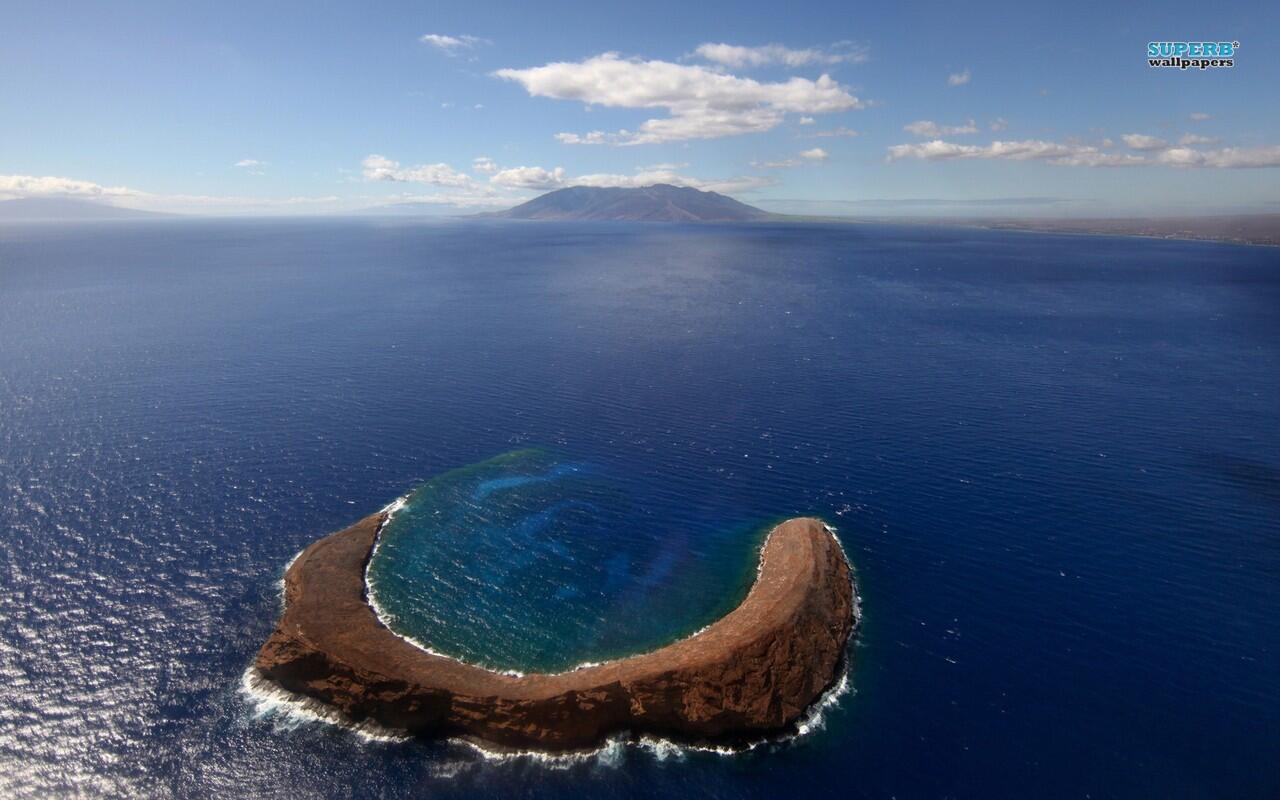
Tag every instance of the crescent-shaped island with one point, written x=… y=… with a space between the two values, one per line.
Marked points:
x=751 y=673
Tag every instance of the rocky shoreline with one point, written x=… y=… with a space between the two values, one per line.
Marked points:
x=751 y=673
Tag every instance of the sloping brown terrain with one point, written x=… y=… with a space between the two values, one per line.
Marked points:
x=752 y=672
x=657 y=203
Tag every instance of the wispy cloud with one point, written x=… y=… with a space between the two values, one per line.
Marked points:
x=702 y=103
x=929 y=129
x=451 y=45
x=1153 y=152
x=17 y=186
x=541 y=179
x=743 y=183
x=958 y=78
x=814 y=155
x=738 y=56
x=251 y=165
x=832 y=133
x=1025 y=150
x=505 y=180
x=1189 y=139
x=470 y=200
x=1199 y=116
x=1139 y=141
x=1225 y=158
x=998 y=124
x=786 y=163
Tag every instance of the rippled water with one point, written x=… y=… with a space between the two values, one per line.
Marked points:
x=1052 y=460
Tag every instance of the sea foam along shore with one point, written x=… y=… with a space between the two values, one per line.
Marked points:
x=269 y=700
x=752 y=674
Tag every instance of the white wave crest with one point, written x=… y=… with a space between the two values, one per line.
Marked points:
x=269 y=700
x=288 y=711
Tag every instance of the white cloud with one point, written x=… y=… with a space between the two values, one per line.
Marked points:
x=1080 y=155
x=380 y=168
x=701 y=103
x=1026 y=150
x=738 y=56
x=1199 y=116
x=1226 y=158
x=805 y=156
x=451 y=45
x=594 y=137
x=249 y=163
x=648 y=178
x=1092 y=157
x=958 y=78
x=12 y=186
x=542 y=179
x=786 y=163
x=16 y=186
x=537 y=178
x=932 y=130
x=806 y=121
x=1140 y=141
x=833 y=133
x=999 y=124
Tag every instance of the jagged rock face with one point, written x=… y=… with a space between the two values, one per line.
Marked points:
x=752 y=672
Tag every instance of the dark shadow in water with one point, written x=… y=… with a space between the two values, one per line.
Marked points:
x=1256 y=477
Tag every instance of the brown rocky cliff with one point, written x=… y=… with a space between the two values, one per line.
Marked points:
x=752 y=672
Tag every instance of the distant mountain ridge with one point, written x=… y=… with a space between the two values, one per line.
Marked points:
x=67 y=209
x=657 y=203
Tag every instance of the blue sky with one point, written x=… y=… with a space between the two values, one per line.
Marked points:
x=846 y=108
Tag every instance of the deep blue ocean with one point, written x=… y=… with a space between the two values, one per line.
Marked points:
x=1054 y=462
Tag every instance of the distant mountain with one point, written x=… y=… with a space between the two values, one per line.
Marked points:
x=66 y=209
x=658 y=203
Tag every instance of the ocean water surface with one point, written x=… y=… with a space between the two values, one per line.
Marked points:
x=1052 y=461
x=529 y=562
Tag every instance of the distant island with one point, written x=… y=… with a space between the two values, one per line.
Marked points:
x=67 y=209
x=751 y=673
x=1261 y=229
x=660 y=202
x=666 y=203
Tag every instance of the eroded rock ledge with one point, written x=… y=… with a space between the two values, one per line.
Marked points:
x=752 y=672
